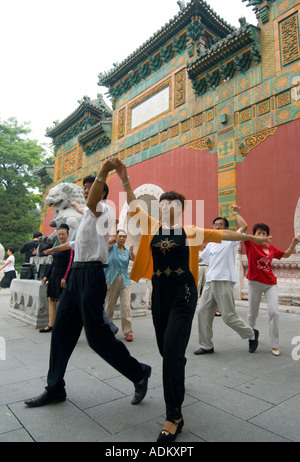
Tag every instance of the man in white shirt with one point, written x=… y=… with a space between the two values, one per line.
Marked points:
x=82 y=301
x=218 y=291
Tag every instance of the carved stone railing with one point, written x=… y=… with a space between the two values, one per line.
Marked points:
x=29 y=302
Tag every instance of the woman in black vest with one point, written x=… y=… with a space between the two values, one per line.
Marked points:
x=57 y=274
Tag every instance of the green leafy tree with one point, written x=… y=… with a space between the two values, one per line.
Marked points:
x=20 y=194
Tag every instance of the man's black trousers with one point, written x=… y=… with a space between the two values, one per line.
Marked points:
x=81 y=305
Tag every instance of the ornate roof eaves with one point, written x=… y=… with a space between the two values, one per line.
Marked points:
x=72 y=118
x=258 y=4
x=224 y=49
x=98 y=129
x=166 y=33
x=45 y=173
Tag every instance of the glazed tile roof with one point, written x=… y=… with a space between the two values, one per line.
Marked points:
x=194 y=8
x=96 y=107
x=228 y=46
x=257 y=3
x=101 y=127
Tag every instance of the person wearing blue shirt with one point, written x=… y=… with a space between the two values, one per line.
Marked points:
x=118 y=282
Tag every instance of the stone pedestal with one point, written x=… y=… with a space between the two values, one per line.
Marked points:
x=29 y=302
x=2 y=252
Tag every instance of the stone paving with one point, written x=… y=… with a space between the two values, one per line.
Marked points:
x=231 y=395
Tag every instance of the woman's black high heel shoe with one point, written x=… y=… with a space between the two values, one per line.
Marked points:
x=165 y=435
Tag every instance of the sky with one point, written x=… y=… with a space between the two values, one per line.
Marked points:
x=51 y=53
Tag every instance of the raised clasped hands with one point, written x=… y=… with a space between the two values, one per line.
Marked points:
x=235 y=208
x=121 y=171
x=113 y=163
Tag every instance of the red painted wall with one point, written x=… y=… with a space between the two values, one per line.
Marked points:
x=47 y=229
x=268 y=183
x=192 y=173
x=268 y=186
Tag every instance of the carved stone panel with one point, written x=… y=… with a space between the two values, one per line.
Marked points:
x=150 y=106
x=180 y=87
x=121 y=123
x=69 y=163
x=289 y=35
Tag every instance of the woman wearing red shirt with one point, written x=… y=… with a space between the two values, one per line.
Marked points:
x=262 y=280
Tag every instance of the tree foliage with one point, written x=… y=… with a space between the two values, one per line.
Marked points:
x=20 y=194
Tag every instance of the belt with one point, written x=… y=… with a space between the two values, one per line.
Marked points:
x=88 y=264
x=168 y=271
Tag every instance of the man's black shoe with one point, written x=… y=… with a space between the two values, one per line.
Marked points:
x=140 y=389
x=43 y=399
x=253 y=344
x=201 y=351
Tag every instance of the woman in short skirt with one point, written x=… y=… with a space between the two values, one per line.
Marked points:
x=9 y=270
x=57 y=274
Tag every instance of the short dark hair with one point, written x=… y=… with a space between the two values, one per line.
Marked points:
x=261 y=226
x=172 y=196
x=64 y=226
x=11 y=249
x=226 y=223
x=121 y=231
x=91 y=179
x=37 y=234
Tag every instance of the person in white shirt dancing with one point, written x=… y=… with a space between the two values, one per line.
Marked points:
x=82 y=301
x=219 y=289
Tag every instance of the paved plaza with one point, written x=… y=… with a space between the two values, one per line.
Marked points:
x=231 y=395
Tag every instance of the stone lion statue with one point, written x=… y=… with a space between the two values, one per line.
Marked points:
x=63 y=212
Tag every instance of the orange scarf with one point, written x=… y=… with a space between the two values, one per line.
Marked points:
x=143 y=262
